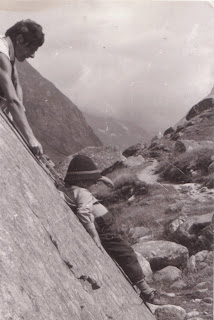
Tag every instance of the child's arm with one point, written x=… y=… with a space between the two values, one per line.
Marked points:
x=107 y=181
x=95 y=236
x=84 y=213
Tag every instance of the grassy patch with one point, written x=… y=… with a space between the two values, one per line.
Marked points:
x=187 y=167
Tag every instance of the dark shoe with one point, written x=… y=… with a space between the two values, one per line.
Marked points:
x=151 y=298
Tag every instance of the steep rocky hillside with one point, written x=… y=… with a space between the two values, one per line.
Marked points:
x=56 y=121
x=113 y=132
x=195 y=130
x=186 y=152
x=50 y=267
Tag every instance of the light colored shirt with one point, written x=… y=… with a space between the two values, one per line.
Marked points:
x=4 y=46
x=84 y=204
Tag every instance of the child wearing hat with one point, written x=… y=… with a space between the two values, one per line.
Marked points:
x=82 y=173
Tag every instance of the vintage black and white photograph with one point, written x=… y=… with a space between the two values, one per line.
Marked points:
x=106 y=159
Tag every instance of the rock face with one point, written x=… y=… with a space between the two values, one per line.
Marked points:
x=161 y=253
x=56 y=121
x=50 y=267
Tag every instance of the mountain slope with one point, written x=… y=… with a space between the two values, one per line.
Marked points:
x=115 y=132
x=56 y=121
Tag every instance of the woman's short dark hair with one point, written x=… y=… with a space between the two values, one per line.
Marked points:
x=30 y=30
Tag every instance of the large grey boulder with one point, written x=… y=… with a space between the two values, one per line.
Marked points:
x=50 y=267
x=170 y=312
x=168 y=274
x=161 y=253
x=189 y=233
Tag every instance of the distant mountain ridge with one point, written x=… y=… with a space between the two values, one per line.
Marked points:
x=57 y=123
x=114 y=132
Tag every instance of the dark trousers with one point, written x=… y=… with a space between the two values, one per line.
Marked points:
x=123 y=254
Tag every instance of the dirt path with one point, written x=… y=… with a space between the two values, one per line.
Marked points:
x=148 y=174
x=192 y=190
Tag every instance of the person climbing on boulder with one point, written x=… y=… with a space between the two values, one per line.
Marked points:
x=20 y=42
x=82 y=173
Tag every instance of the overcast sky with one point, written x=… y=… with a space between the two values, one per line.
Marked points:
x=142 y=60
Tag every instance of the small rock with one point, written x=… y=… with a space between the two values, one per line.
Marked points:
x=173 y=226
x=192 y=314
x=169 y=131
x=173 y=208
x=169 y=312
x=201 y=284
x=204 y=189
x=179 y=147
x=146 y=238
x=208 y=300
x=196 y=300
x=168 y=294
x=168 y=274
x=179 y=285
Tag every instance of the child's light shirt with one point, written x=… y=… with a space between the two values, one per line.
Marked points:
x=84 y=204
x=4 y=46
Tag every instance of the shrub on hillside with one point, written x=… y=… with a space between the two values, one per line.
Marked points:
x=188 y=166
x=126 y=185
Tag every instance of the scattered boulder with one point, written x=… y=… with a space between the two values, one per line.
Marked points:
x=169 y=274
x=200 y=107
x=180 y=128
x=179 y=147
x=176 y=135
x=161 y=253
x=170 y=312
x=171 y=227
x=199 y=261
x=173 y=208
x=138 y=232
x=189 y=232
x=168 y=131
x=178 y=285
x=208 y=300
x=132 y=150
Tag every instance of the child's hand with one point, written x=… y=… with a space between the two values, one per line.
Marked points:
x=98 y=243
x=107 y=181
